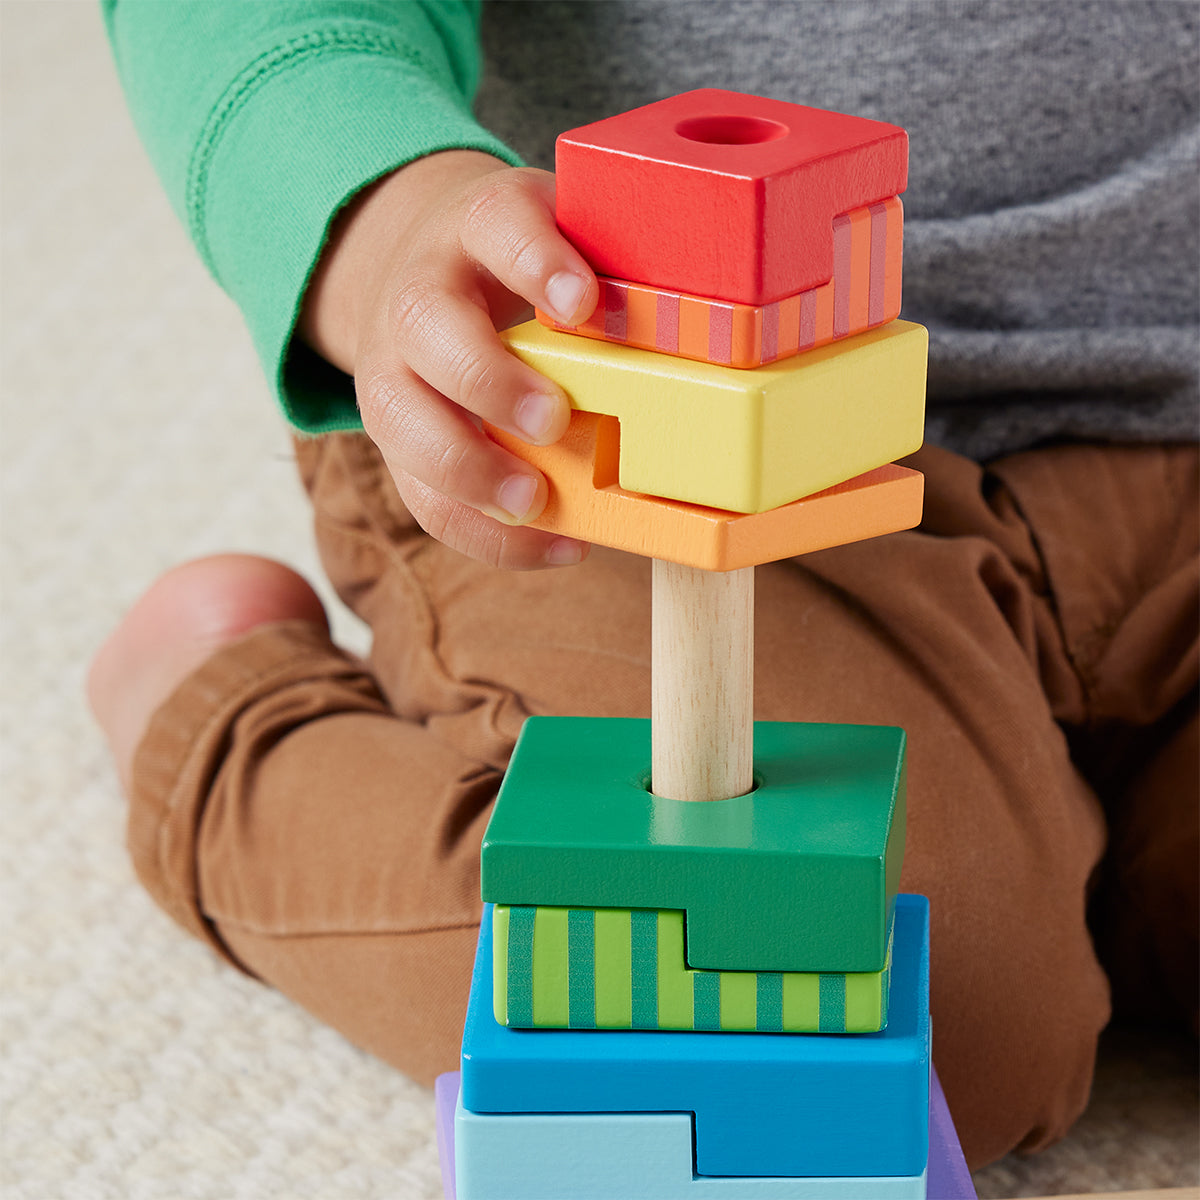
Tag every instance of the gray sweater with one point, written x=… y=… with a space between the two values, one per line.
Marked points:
x=1053 y=205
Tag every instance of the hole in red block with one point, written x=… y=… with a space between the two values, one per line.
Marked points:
x=731 y=131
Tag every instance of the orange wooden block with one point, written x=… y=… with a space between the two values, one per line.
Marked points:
x=586 y=502
x=863 y=292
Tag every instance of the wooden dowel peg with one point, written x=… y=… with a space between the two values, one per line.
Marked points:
x=702 y=701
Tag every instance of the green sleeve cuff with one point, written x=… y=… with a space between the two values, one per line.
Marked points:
x=263 y=117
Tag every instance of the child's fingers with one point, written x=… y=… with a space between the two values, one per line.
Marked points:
x=509 y=230
x=437 y=444
x=431 y=261
x=480 y=537
x=444 y=335
x=439 y=320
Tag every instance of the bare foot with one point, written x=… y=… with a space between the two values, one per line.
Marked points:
x=185 y=616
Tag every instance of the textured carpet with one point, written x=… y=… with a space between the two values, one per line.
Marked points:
x=135 y=433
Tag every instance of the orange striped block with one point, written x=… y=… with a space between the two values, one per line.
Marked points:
x=588 y=503
x=864 y=292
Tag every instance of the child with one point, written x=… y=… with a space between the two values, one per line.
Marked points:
x=317 y=819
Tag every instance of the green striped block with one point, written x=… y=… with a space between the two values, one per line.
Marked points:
x=620 y=968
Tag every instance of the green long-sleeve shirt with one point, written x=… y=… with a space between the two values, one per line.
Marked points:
x=264 y=118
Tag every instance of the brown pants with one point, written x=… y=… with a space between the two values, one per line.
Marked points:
x=318 y=820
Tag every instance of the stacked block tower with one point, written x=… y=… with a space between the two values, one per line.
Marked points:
x=695 y=976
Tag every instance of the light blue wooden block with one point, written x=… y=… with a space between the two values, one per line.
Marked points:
x=633 y=1156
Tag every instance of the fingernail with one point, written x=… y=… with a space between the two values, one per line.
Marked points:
x=515 y=496
x=535 y=414
x=565 y=293
x=564 y=552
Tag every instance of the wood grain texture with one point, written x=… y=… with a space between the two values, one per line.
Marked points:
x=702 y=682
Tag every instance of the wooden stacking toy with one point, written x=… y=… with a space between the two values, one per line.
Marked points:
x=695 y=977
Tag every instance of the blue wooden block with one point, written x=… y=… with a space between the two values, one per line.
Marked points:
x=634 y=1156
x=764 y=1104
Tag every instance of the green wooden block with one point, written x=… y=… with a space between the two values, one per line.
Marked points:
x=799 y=875
x=589 y=980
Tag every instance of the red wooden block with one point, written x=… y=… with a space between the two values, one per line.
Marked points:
x=722 y=195
x=864 y=292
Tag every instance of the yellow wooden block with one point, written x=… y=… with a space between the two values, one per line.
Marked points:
x=745 y=441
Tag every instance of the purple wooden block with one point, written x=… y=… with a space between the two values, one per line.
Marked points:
x=445 y=1097
x=948 y=1178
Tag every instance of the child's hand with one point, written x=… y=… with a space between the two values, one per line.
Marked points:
x=420 y=271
